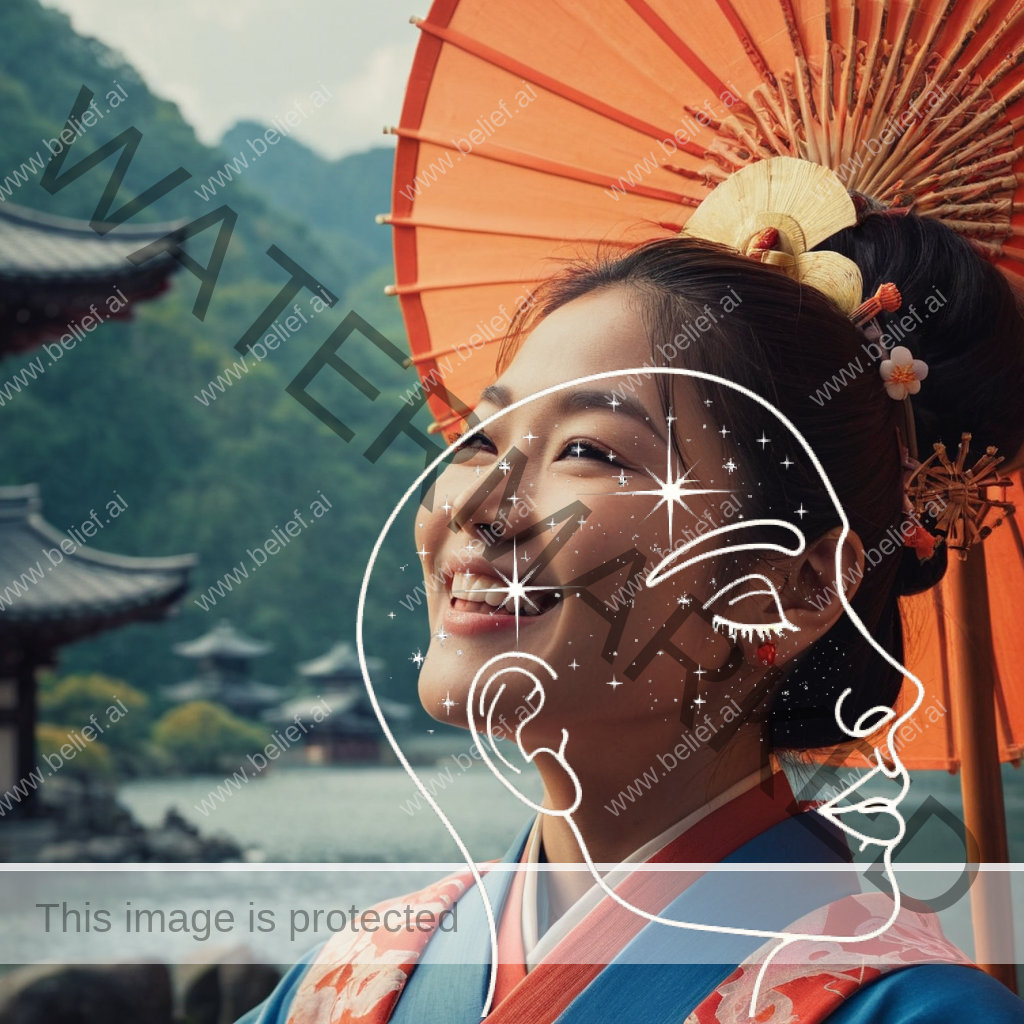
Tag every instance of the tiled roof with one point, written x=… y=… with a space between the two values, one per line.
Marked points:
x=87 y=590
x=340 y=660
x=223 y=641
x=38 y=245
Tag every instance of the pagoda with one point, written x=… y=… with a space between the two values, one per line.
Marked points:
x=350 y=732
x=53 y=270
x=223 y=655
x=60 y=278
x=49 y=600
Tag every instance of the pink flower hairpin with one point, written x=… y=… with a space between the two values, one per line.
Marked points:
x=902 y=373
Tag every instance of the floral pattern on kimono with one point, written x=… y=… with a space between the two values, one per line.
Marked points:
x=829 y=971
x=357 y=977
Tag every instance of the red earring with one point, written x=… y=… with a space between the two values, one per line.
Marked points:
x=766 y=653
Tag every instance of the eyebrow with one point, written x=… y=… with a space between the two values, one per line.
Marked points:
x=582 y=401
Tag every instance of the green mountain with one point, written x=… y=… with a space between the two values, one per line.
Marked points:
x=341 y=197
x=126 y=411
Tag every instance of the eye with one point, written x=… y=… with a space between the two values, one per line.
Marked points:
x=749 y=630
x=469 y=445
x=588 y=450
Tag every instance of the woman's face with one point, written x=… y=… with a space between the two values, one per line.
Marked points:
x=588 y=454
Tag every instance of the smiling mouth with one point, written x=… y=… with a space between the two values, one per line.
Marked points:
x=488 y=595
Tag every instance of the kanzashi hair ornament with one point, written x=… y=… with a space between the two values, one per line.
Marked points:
x=957 y=497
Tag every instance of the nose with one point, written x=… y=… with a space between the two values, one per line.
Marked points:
x=487 y=500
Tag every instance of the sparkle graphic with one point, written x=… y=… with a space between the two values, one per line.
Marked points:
x=698 y=701
x=707 y=402
x=529 y=437
x=442 y=635
x=391 y=615
x=786 y=462
x=730 y=467
x=614 y=682
x=762 y=440
x=504 y=467
x=577 y=449
x=611 y=456
x=801 y=511
x=614 y=402
x=423 y=552
x=724 y=431
x=446 y=506
x=684 y=600
x=552 y=524
x=573 y=665
x=700 y=673
x=515 y=589
x=673 y=490
x=418 y=658
x=448 y=703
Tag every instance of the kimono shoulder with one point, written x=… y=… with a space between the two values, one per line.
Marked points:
x=931 y=994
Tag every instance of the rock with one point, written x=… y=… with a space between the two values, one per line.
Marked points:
x=125 y=994
x=223 y=992
x=88 y=825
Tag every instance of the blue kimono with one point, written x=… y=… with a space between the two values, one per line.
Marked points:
x=662 y=975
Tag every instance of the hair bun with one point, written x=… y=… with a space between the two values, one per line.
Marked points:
x=917 y=575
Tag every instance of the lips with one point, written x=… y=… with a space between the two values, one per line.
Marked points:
x=479 y=598
x=489 y=594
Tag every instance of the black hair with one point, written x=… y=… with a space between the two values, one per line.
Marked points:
x=790 y=344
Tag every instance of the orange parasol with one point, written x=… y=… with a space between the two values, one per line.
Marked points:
x=545 y=129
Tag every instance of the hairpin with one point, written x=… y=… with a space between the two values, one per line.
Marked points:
x=956 y=497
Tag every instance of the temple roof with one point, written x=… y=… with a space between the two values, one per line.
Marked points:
x=341 y=661
x=244 y=696
x=53 y=268
x=86 y=591
x=350 y=712
x=223 y=641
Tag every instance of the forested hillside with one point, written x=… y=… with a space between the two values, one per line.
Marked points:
x=121 y=412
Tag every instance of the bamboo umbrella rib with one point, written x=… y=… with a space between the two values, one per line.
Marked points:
x=924 y=52
x=662 y=30
x=507 y=63
x=502 y=154
x=746 y=40
x=438 y=225
x=881 y=102
x=867 y=77
x=418 y=287
x=434 y=353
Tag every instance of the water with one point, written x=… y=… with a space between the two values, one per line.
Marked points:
x=345 y=813
x=345 y=816
x=362 y=814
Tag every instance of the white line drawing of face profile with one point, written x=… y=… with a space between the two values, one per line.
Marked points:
x=867 y=725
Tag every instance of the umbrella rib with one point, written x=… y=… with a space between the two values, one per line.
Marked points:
x=416 y=222
x=416 y=287
x=552 y=85
x=517 y=158
x=746 y=40
x=689 y=58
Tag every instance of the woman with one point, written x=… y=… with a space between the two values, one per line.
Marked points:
x=688 y=677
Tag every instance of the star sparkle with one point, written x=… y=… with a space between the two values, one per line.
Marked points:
x=673 y=490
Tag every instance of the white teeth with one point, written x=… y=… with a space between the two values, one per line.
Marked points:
x=481 y=589
x=489 y=591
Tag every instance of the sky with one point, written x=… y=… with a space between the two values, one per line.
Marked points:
x=224 y=61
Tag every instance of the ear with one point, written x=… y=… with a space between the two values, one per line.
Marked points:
x=811 y=599
x=483 y=702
